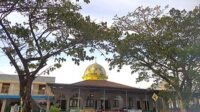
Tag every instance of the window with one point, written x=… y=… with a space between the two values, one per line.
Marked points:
x=90 y=101
x=63 y=105
x=130 y=102
x=74 y=102
x=41 y=89
x=115 y=103
x=5 y=88
x=138 y=105
x=146 y=104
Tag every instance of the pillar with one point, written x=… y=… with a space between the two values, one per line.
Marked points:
x=3 y=105
x=79 y=102
x=104 y=99
x=48 y=105
x=126 y=100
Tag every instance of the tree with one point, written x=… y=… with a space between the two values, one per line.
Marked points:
x=161 y=46
x=48 y=30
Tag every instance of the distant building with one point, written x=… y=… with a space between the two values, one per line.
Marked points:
x=9 y=91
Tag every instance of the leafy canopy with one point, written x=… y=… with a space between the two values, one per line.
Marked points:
x=47 y=29
x=161 y=46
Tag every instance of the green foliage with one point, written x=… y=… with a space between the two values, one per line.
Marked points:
x=54 y=109
x=161 y=46
x=7 y=108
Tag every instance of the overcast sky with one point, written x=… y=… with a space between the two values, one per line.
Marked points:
x=105 y=10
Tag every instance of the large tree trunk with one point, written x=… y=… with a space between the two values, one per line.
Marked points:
x=25 y=93
x=182 y=107
x=182 y=102
x=185 y=97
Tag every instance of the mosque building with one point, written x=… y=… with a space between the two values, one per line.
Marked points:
x=96 y=93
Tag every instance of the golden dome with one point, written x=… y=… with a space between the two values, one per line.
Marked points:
x=95 y=72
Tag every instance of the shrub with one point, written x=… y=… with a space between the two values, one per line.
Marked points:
x=54 y=109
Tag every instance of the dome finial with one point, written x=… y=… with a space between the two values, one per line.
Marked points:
x=95 y=59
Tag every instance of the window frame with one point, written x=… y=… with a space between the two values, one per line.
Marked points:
x=5 y=88
x=41 y=91
x=115 y=103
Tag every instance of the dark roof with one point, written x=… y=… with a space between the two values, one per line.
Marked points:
x=102 y=83
x=97 y=85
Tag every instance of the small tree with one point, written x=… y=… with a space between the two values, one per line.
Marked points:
x=161 y=46
x=49 y=30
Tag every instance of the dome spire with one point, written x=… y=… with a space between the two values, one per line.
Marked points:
x=95 y=59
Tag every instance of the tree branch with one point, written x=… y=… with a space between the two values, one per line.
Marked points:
x=41 y=65
x=156 y=72
x=13 y=61
x=9 y=10
x=34 y=37
x=15 y=47
x=48 y=55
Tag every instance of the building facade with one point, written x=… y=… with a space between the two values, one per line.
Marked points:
x=9 y=92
